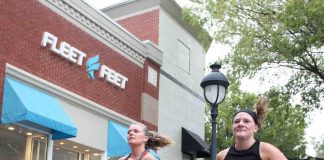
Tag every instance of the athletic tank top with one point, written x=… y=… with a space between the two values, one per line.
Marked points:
x=252 y=153
x=142 y=155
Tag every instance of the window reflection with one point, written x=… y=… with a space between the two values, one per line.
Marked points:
x=95 y=157
x=22 y=143
x=65 y=154
x=70 y=150
x=62 y=153
x=39 y=148
x=12 y=144
x=19 y=143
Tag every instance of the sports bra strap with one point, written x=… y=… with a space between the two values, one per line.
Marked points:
x=142 y=155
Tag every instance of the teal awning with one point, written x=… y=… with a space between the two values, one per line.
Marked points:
x=23 y=103
x=117 y=140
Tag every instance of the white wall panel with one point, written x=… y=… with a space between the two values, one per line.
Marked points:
x=92 y=129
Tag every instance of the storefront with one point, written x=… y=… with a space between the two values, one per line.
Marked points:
x=72 y=80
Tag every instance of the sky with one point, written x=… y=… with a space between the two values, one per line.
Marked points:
x=216 y=51
x=104 y=3
x=98 y=4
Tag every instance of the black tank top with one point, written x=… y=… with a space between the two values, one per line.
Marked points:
x=252 y=153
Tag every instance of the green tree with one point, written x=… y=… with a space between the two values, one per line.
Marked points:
x=283 y=127
x=319 y=147
x=270 y=34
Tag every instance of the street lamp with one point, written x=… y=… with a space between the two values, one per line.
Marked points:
x=215 y=86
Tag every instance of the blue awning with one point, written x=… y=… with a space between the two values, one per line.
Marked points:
x=23 y=103
x=117 y=140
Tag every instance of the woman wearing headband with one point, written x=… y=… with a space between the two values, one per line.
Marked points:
x=246 y=123
x=144 y=142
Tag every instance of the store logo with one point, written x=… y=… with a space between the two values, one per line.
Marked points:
x=92 y=65
x=74 y=55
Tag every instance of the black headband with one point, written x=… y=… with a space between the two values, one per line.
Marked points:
x=251 y=113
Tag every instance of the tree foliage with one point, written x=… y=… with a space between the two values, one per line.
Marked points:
x=319 y=147
x=270 y=34
x=283 y=127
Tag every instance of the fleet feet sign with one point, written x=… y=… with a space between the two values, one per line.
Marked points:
x=72 y=54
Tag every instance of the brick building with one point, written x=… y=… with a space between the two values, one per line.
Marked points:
x=181 y=102
x=71 y=80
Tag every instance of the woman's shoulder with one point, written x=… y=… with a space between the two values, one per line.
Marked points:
x=267 y=147
x=269 y=151
x=149 y=156
x=221 y=155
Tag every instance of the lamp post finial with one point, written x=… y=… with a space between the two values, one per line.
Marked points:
x=215 y=67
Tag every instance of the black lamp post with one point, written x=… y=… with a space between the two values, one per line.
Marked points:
x=215 y=87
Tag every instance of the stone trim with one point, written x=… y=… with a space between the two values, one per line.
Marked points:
x=100 y=31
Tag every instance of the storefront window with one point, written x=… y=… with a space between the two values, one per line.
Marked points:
x=39 y=148
x=20 y=143
x=62 y=153
x=65 y=154
x=95 y=157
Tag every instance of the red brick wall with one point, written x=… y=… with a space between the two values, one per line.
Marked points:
x=150 y=126
x=22 y=24
x=145 y=26
x=148 y=87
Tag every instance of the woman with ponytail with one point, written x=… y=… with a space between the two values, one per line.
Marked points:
x=144 y=143
x=246 y=123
